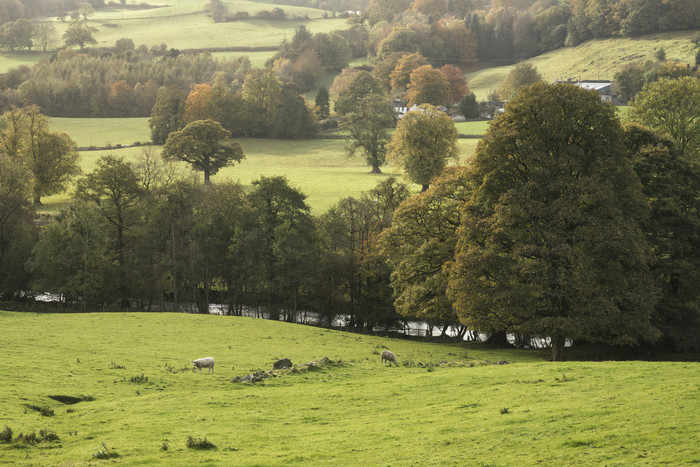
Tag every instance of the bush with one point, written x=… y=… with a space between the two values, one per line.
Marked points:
x=6 y=435
x=106 y=453
x=138 y=379
x=198 y=443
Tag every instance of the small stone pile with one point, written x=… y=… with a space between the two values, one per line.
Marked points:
x=261 y=375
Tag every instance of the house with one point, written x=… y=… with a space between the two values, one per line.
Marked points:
x=400 y=108
x=602 y=87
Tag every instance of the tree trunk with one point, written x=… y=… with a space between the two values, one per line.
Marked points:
x=376 y=169
x=498 y=339
x=558 y=343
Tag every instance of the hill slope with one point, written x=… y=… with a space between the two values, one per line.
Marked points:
x=596 y=59
x=358 y=413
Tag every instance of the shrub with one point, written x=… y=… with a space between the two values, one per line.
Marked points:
x=29 y=438
x=198 y=443
x=6 y=435
x=48 y=435
x=138 y=379
x=105 y=453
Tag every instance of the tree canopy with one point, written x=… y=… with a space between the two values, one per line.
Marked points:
x=550 y=242
x=206 y=145
x=424 y=141
x=672 y=106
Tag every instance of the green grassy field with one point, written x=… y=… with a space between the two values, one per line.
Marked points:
x=183 y=24
x=320 y=168
x=598 y=59
x=527 y=412
x=11 y=60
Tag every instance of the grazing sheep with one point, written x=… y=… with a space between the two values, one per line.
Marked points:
x=389 y=357
x=207 y=362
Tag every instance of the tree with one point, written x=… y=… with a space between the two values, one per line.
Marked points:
x=285 y=236
x=457 y=84
x=428 y=86
x=368 y=128
x=206 y=145
x=671 y=181
x=17 y=230
x=523 y=74
x=630 y=80
x=51 y=156
x=167 y=113
x=323 y=106
x=46 y=34
x=72 y=257
x=113 y=187
x=86 y=9
x=420 y=241
x=363 y=84
x=550 y=241
x=199 y=104
x=217 y=10
x=400 y=77
x=294 y=119
x=469 y=107
x=424 y=141
x=79 y=33
x=262 y=91
x=18 y=34
x=672 y=107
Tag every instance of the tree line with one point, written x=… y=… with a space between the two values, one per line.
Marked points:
x=568 y=224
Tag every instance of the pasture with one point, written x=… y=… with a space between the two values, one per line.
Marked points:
x=184 y=24
x=596 y=59
x=320 y=168
x=12 y=60
x=131 y=373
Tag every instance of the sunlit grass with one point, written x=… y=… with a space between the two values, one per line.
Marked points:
x=526 y=412
x=320 y=168
x=10 y=60
x=596 y=59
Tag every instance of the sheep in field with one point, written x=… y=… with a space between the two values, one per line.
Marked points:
x=207 y=362
x=389 y=357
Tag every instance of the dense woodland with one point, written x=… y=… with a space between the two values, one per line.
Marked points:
x=123 y=81
x=567 y=224
x=555 y=237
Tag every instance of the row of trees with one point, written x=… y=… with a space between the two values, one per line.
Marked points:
x=516 y=30
x=123 y=82
x=262 y=106
x=12 y=10
x=548 y=233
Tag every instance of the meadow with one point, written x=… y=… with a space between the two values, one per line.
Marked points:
x=592 y=60
x=183 y=24
x=131 y=374
x=320 y=168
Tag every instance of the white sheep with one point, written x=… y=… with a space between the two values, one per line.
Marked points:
x=207 y=362
x=388 y=356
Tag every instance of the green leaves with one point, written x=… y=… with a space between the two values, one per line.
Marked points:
x=206 y=145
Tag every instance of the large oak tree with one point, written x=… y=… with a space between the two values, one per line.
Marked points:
x=550 y=242
x=206 y=145
x=424 y=141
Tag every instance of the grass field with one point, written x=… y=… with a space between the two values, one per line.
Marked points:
x=11 y=60
x=183 y=24
x=527 y=412
x=598 y=59
x=320 y=168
